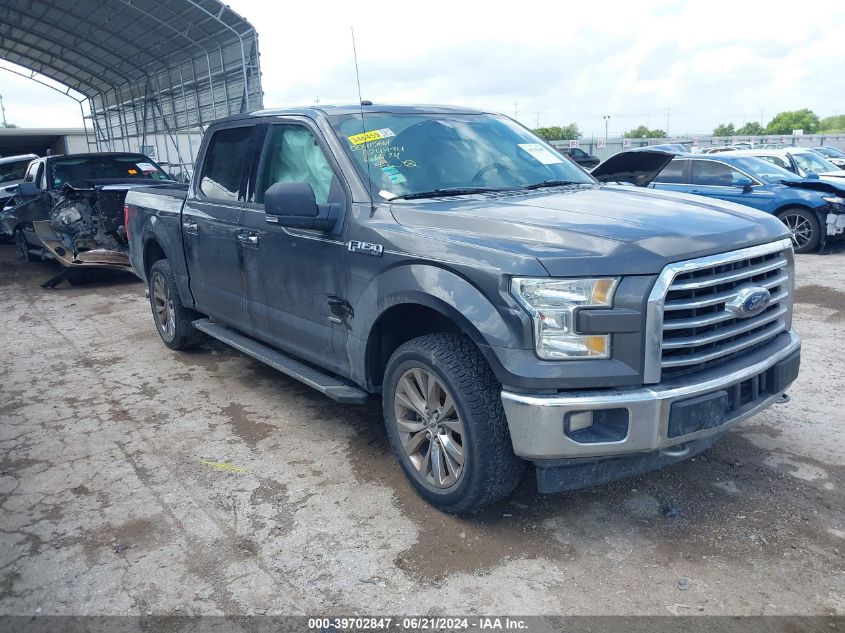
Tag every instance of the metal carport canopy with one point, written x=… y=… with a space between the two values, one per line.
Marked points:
x=145 y=72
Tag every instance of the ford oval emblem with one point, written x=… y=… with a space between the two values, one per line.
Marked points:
x=749 y=301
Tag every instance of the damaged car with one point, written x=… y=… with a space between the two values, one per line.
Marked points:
x=70 y=208
x=812 y=209
x=12 y=171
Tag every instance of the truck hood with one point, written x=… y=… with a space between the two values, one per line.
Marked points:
x=593 y=229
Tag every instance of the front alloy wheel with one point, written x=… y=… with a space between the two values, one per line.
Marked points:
x=804 y=227
x=430 y=429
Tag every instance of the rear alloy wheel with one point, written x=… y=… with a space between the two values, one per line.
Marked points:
x=23 y=247
x=173 y=320
x=804 y=226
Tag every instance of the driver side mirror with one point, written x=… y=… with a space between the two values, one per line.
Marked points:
x=744 y=183
x=28 y=190
x=812 y=175
x=294 y=204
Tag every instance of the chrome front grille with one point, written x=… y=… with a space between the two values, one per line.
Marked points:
x=690 y=328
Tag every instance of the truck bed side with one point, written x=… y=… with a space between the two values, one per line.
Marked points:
x=154 y=226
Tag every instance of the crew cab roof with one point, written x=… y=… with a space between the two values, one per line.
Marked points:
x=331 y=110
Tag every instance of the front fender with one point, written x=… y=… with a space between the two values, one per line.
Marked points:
x=489 y=316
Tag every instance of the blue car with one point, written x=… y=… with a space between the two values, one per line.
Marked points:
x=812 y=209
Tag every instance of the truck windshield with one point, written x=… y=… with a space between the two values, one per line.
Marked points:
x=410 y=155
x=103 y=167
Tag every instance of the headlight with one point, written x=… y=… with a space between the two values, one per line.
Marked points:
x=834 y=200
x=553 y=304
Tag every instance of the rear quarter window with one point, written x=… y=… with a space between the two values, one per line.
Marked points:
x=673 y=173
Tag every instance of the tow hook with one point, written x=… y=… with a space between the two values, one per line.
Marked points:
x=675 y=451
x=784 y=398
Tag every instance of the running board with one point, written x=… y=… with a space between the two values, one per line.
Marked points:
x=314 y=378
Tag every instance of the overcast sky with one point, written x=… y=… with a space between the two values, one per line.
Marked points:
x=707 y=62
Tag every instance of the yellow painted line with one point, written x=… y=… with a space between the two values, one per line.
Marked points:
x=224 y=466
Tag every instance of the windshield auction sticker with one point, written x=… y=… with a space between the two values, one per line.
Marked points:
x=541 y=153
x=374 y=135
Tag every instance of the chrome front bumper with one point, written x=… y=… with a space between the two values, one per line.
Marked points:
x=536 y=422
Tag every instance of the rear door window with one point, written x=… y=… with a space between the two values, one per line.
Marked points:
x=224 y=163
x=714 y=174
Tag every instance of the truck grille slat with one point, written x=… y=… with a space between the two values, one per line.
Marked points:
x=697 y=330
x=708 y=300
x=682 y=324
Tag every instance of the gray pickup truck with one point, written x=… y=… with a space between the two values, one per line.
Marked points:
x=509 y=308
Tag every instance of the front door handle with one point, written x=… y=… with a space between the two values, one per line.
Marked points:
x=248 y=239
x=191 y=227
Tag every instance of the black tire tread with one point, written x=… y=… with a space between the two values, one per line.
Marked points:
x=186 y=335
x=458 y=357
x=28 y=257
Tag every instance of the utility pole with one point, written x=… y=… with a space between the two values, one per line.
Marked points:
x=537 y=114
x=667 y=121
x=3 y=108
x=606 y=118
x=516 y=109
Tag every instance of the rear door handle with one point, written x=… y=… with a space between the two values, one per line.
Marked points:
x=248 y=239
x=191 y=227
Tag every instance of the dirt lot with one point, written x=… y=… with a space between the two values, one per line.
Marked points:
x=134 y=479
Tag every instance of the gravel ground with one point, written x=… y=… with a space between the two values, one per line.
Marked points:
x=136 y=480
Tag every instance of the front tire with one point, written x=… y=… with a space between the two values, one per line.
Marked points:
x=805 y=229
x=23 y=247
x=173 y=320
x=446 y=425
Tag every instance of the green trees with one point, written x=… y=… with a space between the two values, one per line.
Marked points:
x=559 y=133
x=832 y=124
x=643 y=132
x=752 y=128
x=786 y=122
x=724 y=129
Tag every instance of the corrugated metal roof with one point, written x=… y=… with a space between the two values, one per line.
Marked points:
x=145 y=67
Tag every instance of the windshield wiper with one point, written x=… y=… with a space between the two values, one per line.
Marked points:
x=553 y=183
x=448 y=191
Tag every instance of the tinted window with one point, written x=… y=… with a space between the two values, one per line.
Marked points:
x=14 y=170
x=103 y=167
x=672 y=173
x=292 y=154
x=578 y=153
x=780 y=161
x=224 y=162
x=31 y=171
x=708 y=172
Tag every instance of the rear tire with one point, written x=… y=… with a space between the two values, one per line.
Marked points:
x=805 y=228
x=23 y=247
x=446 y=425
x=173 y=320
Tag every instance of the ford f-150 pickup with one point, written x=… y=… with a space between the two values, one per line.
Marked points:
x=507 y=307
